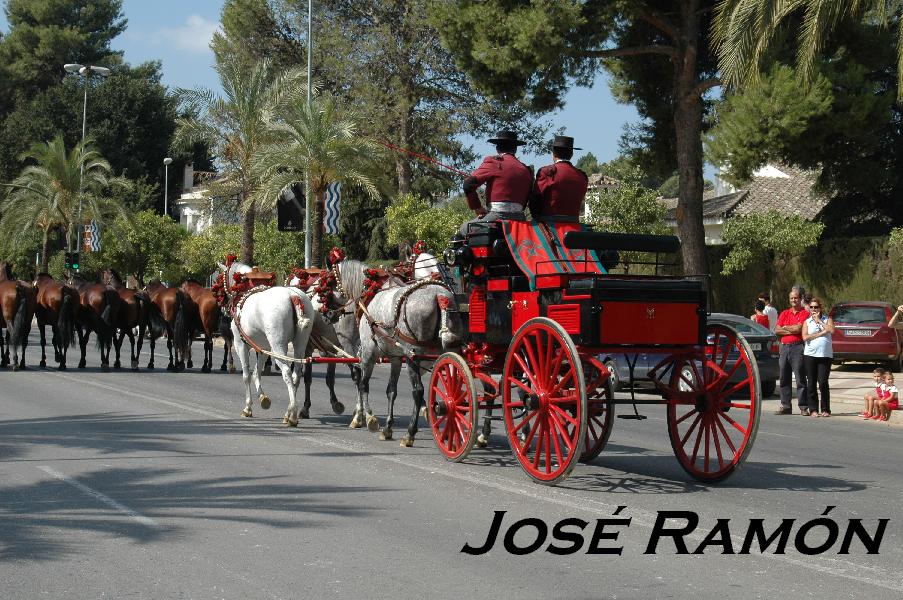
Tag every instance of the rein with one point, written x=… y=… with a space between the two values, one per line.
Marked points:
x=392 y=332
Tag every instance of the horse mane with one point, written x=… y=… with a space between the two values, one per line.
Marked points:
x=7 y=270
x=352 y=273
x=115 y=276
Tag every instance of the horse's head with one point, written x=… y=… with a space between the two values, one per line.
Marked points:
x=6 y=271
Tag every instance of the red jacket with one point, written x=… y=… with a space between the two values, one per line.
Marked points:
x=507 y=180
x=561 y=188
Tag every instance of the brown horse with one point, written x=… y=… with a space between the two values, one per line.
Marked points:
x=99 y=310
x=169 y=311
x=133 y=314
x=204 y=317
x=57 y=306
x=17 y=303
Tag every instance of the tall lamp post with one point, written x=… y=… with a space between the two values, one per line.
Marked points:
x=86 y=71
x=308 y=224
x=166 y=162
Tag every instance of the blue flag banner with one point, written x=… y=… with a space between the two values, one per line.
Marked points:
x=332 y=197
x=91 y=239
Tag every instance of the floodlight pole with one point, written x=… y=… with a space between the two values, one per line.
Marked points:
x=308 y=229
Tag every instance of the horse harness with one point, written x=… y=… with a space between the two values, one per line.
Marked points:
x=391 y=332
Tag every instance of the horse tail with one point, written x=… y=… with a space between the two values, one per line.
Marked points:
x=19 y=326
x=66 y=322
x=141 y=303
x=155 y=320
x=106 y=328
x=181 y=326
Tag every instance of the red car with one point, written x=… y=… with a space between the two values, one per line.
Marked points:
x=861 y=334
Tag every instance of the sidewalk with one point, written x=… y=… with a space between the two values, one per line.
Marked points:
x=848 y=384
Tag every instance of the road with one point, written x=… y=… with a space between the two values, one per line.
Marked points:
x=150 y=485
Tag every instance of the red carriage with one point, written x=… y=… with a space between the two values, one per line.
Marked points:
x=541 y=308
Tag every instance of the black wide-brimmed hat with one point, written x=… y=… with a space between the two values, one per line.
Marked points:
x=506 y=135
x=564 y=141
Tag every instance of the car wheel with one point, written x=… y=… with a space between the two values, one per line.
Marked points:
x=615 y=379
x=896 y=364
x=768 y=388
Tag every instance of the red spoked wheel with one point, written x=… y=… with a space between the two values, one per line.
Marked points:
x=600 y=412
x=544 y=400
x=452 y=407
x=714 y=406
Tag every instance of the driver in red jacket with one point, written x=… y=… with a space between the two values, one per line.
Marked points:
x=560 y=187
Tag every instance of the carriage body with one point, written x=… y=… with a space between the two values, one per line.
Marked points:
x=535 y=334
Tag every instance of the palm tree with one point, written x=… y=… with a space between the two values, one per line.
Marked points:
x=233 y=126
x=313 y=142
x=45 y=195
x=744 y=30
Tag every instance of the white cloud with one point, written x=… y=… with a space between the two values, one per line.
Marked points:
x=194 y=36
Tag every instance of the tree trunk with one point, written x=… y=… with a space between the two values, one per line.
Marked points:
x=402 y=161
x=316 y=243
x=247 y=235
x=45 y=248
x=688 y=137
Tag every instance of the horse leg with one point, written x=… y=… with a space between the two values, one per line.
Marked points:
x=391 y=394
x=83 y=335
x=43 y=362
x=261 y=396
x=133 y=358
x=291 y=414
x=190 y=343
x=117 y=343
x=172 y=365
x=362 y=410
x=141 y=331
x=337 y=407
x=153 y=348
x=226 y=353
x=417 y=386
x=308 y=379
x=244 y=357
x=208 y=353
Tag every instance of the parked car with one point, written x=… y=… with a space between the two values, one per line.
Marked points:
x=861 y=334
x=761 y=340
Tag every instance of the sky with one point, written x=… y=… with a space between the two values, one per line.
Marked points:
x=177 y=33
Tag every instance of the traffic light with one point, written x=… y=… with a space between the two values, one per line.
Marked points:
x=72 y=260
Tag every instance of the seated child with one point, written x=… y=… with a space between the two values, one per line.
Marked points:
x=890 y=401
x=872 y=396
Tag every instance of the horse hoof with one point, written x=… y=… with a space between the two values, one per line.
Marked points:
x=15 y=367
x=117 y=365
x=406 y=442
x=81 y=364
x=303 y=414
x=43 y=364
x=291 y=422
x=482 y=442
x=385 y=434
x=355 y=423
x=190 y=365
x=223 y=368
x=105 y=368
x=61 y=367
x=372 y=423
x=264 y=401
x=231 y=370
x=247 y=413
x=170 y=368
x=338 y=408
x=150 y=366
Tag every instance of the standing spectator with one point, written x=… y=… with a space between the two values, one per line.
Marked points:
x=770 y=311
x=894 y=320
x=759 y=316
x=790 y=360
x=817 y=356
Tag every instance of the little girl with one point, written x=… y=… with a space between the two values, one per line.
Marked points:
x=871 y=397
x=890 y=401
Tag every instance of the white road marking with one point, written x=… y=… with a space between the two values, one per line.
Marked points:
x=878 y=577
x=147 y=521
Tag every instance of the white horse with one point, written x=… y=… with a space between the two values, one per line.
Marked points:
x=268 y=321
x=426 y=265
x=401 y=322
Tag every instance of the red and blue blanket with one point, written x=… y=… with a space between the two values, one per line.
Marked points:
x=538 y=249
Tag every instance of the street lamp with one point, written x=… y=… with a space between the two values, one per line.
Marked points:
x=86 y=71
x=166 y=162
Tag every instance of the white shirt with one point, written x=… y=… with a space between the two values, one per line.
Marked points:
x=772 y=314
x=819 y=347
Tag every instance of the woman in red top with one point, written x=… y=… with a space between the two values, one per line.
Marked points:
x=759 y=316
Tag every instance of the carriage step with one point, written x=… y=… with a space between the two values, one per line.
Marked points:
x=636 y=417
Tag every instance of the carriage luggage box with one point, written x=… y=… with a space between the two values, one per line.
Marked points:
x=653 y=311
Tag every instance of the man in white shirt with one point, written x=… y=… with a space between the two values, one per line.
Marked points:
x=770 y=311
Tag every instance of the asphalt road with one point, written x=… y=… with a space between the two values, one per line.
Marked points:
x=150 y=485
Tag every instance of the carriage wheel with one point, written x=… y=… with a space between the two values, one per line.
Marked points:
x=452 y=407
x=544 y=400
x=714 y=406
x=600 y=413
